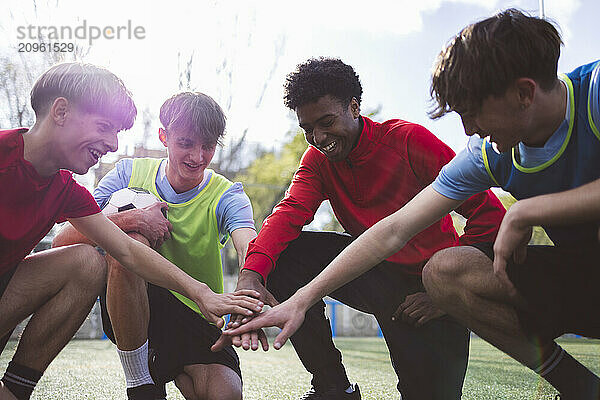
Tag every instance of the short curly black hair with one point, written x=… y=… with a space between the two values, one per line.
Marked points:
x=318 y=77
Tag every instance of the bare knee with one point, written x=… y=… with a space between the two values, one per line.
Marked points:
x=442 y=266
x=226 y=386
x=452 y=272
x=118 y=274
x=89 y=268
x=214 y=382
x=445 y=271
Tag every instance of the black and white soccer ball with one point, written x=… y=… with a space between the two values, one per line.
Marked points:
x=128 y=198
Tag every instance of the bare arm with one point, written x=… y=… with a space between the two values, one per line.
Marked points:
x=570 y=207
x=148 y=221
x=375 y=245
x=151 y=266
x=241 y=237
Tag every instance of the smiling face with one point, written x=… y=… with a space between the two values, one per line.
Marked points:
x=330 y=127
x=84 y=138
x=188 y=158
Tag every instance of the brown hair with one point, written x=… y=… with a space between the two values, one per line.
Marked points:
x=485 y=58
x=194 y=112
x=93 y=89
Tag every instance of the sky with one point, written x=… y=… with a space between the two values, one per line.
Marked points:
x=242 y=50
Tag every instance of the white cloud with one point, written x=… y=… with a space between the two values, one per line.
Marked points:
x=398 y=17
x=561 y=12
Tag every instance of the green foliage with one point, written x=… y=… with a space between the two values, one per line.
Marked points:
x=267 y=178
x=265 y=182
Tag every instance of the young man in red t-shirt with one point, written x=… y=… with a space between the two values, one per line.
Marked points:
x=79 y=109
x=367 y=170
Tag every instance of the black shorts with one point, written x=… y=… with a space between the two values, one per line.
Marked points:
x=177 y=336
x=561 y=286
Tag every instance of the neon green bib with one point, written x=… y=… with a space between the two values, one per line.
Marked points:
x=194 y=245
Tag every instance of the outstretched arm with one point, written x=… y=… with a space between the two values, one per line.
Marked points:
x=570 y=207
x=151 y=266
x=375 y=245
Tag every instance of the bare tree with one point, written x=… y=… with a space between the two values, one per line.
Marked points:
x=232 y=157
x=185 y=72
x=19 y=70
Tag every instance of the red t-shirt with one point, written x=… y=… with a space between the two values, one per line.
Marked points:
x=30 y=204
x=392 y=162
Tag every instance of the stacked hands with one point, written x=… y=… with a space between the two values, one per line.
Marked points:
x=244 y=303
x=245 y=330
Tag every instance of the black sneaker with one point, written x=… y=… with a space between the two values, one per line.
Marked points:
x=332 y=393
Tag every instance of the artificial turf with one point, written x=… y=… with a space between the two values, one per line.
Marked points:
x=90 y=369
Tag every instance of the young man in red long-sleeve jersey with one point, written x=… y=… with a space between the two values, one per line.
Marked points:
x=367 y=170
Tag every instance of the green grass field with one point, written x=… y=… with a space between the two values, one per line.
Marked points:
x=90 y=369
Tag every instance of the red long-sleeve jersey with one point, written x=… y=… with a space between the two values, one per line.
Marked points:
x=392 y=162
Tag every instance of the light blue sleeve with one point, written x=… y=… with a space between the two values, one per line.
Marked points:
x=595 y=95
x=117 y=178
x=234 y=210
x=465 y=175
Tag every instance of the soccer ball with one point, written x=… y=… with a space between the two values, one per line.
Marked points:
x=128 y=198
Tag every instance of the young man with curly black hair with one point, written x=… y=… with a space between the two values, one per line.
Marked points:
x=367 y=170
x=538 y=139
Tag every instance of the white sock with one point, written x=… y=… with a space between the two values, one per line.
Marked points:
x=135 y=366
